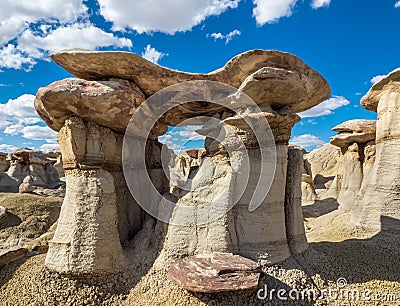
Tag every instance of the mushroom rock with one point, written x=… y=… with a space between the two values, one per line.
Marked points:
x=90 y=141
x=281 y=69
x=352 y=139
x=378 y=207
x=215 y=272
x=354 y=131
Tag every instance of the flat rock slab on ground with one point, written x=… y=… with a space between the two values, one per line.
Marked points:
x=215 y=273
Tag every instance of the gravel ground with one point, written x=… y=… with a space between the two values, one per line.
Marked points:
x=367 y=262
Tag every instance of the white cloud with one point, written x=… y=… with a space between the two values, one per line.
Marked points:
x=270 y=11
x=30 y=30
x=306 y=140
x=228 y=37
x=168 y=16
x=397 y=4
x=7 y=148
x=152 y=55
x=320 y=3
x=18 y=112
x=325 y=108
x=77 y=35
x=11 y=57
x=188 y=133
x=178 y=137
x=36 y=132
x=16 y=15
x=377 y=78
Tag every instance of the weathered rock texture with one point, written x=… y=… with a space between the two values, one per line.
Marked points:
x=25 y=170
x=100 y=221
x=378 y=206
x=181 y=168
x=215 y=272
x=321 y=164
x=355 y=136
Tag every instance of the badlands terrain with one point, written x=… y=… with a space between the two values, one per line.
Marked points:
x=117 y=218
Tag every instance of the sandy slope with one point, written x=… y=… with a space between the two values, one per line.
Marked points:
x=368 y=261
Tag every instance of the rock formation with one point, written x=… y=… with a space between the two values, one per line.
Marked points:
x=355 y=139
x=26 y=169
x=215 y=273
x=378 y=205
x=4 y=162
x=100 y=219
x=181 y=168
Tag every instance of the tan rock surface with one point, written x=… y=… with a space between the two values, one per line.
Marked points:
x=28 y=166
x=379 y=206
x=4 y=162
x=323 y=163
x=151 y=78
x=107 y=103
x=354 y=131
x=388 y=84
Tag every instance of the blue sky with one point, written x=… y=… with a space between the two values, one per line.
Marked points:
x=351 y=43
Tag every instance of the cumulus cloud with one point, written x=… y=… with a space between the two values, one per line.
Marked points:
x=307 y=141
x=11 y=57
x=178 y=137
x=397 y=4
x=188 y=133
x=228 y=37
x=161 y=16
x=376 y=79
x=78 y=35
x=16 y=15
x=320 y=3
x=18 y=117
x=30 y=30
x=152 y=55
x=270 y=11
x=19 y=111
x=325 y=108
x=36 y=132
x=7 y=148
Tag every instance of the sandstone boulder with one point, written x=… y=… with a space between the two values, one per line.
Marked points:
x=215 y=272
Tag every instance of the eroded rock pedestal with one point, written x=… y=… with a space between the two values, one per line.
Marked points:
x=378 y=206
x=99 y=217
x=356 y=139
